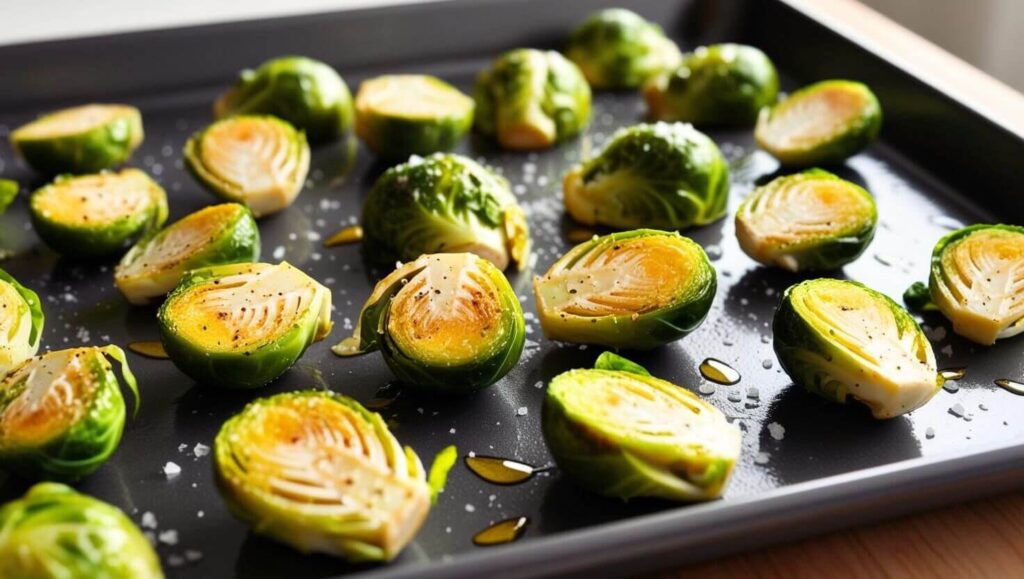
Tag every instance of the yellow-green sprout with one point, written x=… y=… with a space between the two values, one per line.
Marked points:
x=618 y=49
x=21 y=323
x=83 y=139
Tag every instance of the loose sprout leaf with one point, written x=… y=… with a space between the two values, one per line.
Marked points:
x=617 y=48
x=610 y=361
x=439 y=469
x=8 y=191
x=317 y=471
x=918 y=297
x=21 y=323
x=126 y=373
x=83 y=139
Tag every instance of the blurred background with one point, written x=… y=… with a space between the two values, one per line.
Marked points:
x=985 y=33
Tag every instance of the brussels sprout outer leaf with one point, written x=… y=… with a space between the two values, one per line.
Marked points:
x=617 y=49
x=53 y=531
x=610 y=361
x=80 y=140
x=439 y=469
x=8 y=191
x=21 y=343
x=919 y=298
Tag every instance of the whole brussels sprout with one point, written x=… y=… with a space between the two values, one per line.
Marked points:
x=635 y=289
x=8 y=191
x=840 y=339
x=54 y=532
x=448 y=322
x=21 y=323
x=242 y=325
x=823 y=123
x=665 y=176
x=305 y=92
x=62 y=413
x=317 y=471
x=617 y=49
x=98 y=215
x=976 y=281
x=444 y=203
x=410 y=114
x=83 y=139
x=722 y=84
x=258 y=161
x=626 y=434
x=214 y=235
x=531 y=99
x=807 y=221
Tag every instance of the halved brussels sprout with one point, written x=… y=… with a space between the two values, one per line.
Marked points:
x=840 y=339
x=667 y=176
x=448 y=322
x=21 y=323
x=62 y=413
x=721 y=84
x=8 y=191
x=444 y=203
x=635 y=289
x=97 y=215
x=531 y=99
x=626 y=434
x=977 y=281
x=411 y=114
x=808 y=221
x=54 y=532
x=83 y=139
x=214 y=235
x=242 y=325
x=258 y=161
x=319 y=472
x=307 y=93
x=819 y=124
x=616 y=48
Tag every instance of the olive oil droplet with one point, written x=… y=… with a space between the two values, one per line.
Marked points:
x=150 y=349
x=953 y=373
x=718 y=372
x=353 y=234
x=502 y=532
x=499 y=470
x=1011 y=386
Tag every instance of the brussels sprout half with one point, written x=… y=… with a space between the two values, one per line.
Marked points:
x=617 y=49
x=819 y=124
x=448 y=322
x=97 y=215
x=54 y=532
x=722 y=84
x=406 y=114
x=635 y=289
x=444 y=203
x=21 y=323
x=840 y=339
x=666 y=176
x=304 y=92
x=258 y=161
x=317 y=471
x=82 y=139
x=214 y=235
x=626 y=434
x=977 y=281
x=808 y=221
x=531 y=99
x=62 y=413
x=242 y=325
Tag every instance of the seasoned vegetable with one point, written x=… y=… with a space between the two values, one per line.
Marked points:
x=317 y=471
x=444 y=203
x=722 y=84
x=54 y=532
x=636 y=289
x=531 y=99
x=8 y=191
x=242 y=325
x=807 y=221
x=214 y=235
x=448 y=322
x=840 y=339
x=977 y=281
x=97 y=215
x=616 y=48
x=405 y=114
x=625 y=434
x=819 y=124
x=62 y=413
x=21 y=323
x=667 y=176
x=258 y=161
x=83 y=139
x=304 y=92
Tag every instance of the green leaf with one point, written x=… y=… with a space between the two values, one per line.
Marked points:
x=610 y=361
x=438 y=476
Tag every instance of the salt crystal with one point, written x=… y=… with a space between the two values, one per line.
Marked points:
x=929 y=433
x=168 y=537
x=761 y=458
x=201 y=450
x=522 y=410
x=278 y=252
x=776 y=430
x=539 y=384
x=767 y=364
x=148 y=520
x=171 y=470
x=470 y=508
x=753 y=393
x=957 y=410
x=706 y=388
x=192 y=555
